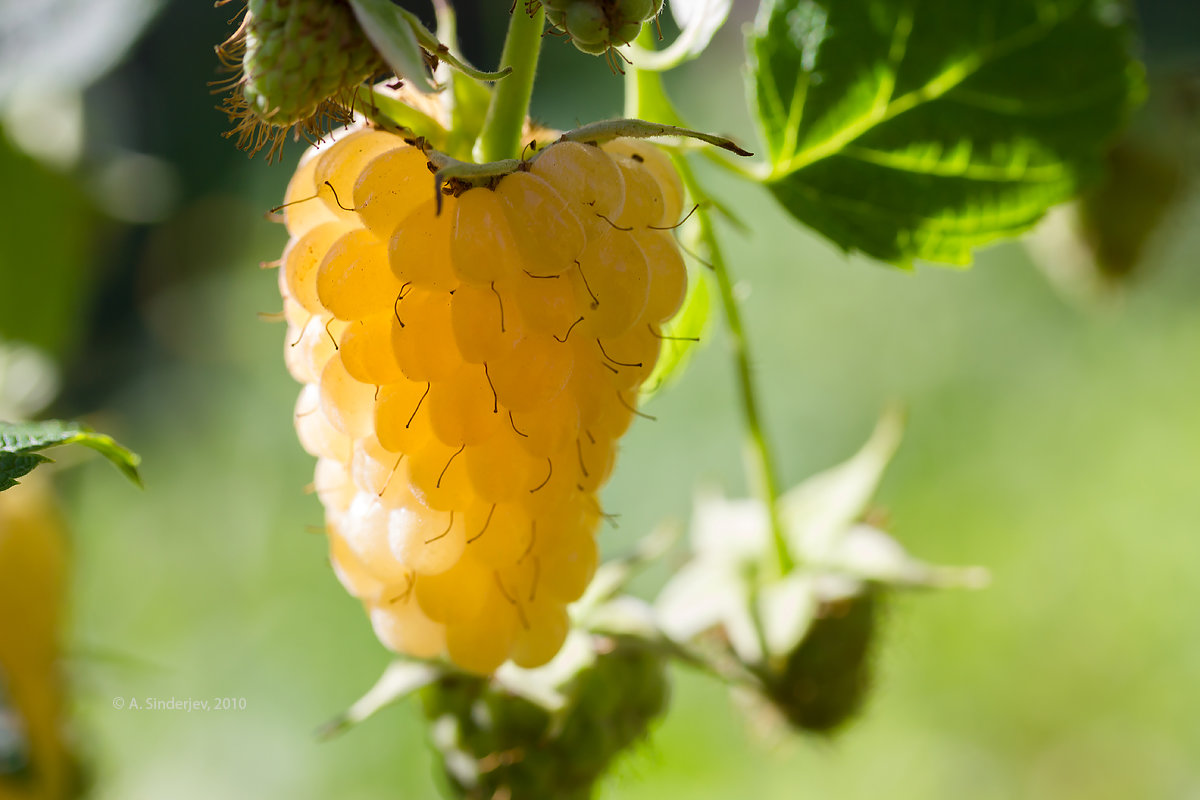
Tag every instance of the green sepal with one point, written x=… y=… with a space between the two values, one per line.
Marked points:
x=386 y=25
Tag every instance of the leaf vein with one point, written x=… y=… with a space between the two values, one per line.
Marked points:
x=935 y=88
x=1049 y=173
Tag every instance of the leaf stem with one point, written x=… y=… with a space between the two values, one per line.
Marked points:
x=501 y=135
x=761 y=461
x=646 y=98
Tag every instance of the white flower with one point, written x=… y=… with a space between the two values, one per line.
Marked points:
x=835 y=552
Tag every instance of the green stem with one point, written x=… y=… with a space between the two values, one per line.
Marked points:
x=501 y=135
x=647 y=99
x=447 y=24
x=762 y=462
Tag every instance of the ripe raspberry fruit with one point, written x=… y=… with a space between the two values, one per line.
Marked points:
x=467 y=375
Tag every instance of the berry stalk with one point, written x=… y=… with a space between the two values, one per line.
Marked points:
x=501 y=136
x=762 y=462
x=646 y=98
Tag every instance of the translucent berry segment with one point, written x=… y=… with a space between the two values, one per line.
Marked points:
x=467 y=375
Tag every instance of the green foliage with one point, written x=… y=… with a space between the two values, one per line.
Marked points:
x=926 y=128
x=21 y=443
x=408 y=46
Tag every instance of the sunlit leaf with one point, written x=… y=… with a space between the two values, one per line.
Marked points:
x=926 y=128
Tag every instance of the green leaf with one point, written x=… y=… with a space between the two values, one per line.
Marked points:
x=926 y=128
x=20 y=443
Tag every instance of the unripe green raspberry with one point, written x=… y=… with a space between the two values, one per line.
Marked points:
x=638 y=9
x=586 y=23
x=627 y=32
x=596 y=26
x=465 y=411
x=300 y=59
x=825 y=679
x=300 y=53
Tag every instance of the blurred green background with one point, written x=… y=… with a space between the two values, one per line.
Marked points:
x=1054 y=438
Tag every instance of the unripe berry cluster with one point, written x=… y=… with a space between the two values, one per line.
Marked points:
x=597 y=25
x=825 y=678
x=494 y=743
x=467 y=374
x=298 y=63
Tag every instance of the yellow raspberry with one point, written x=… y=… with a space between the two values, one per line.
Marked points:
x=467 y=376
